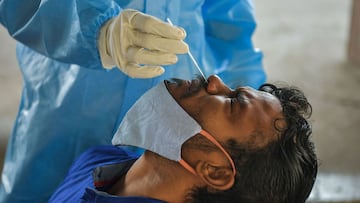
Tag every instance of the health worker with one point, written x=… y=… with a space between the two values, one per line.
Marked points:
x=85 y=62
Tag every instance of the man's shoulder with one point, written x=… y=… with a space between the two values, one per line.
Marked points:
x=107 y=153
x=100 y=149
x=99 y=161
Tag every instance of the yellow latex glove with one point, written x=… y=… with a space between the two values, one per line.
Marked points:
x=139 y=44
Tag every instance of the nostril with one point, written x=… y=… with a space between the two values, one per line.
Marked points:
x=206 y=83
x=211 y=88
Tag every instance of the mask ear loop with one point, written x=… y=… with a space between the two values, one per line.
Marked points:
x=187 y=166
x=212 y=139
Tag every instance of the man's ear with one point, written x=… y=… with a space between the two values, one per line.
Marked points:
x=217 y=177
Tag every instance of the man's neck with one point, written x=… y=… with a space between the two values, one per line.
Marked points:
x=155 y=177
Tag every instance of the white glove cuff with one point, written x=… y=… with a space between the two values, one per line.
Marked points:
x=105 y=57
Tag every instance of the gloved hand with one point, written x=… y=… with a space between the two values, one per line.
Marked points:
x=139 y=44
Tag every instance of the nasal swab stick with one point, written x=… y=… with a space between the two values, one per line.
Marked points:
x=191 y=56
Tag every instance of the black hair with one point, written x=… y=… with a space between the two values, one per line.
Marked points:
x=283 y=171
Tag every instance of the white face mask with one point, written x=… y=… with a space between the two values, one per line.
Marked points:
x=156 y=122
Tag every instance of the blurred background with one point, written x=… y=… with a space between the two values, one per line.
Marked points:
x=304 y=44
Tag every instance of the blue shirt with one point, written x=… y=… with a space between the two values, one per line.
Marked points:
x=95 y=171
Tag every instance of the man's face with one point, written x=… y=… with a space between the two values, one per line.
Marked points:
x=226 y=113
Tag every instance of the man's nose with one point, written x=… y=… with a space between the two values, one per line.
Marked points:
x=217 y=86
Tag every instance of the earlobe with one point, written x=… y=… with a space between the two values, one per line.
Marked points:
x=216 y=177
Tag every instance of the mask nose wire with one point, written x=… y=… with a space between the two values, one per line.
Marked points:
x=212 y=139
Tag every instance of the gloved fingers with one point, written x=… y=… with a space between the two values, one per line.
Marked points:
x=137 y=71
x=155 y=42
x=149 y=57
x=150 y=24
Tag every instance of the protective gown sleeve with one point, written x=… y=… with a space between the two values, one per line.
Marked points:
x=229 y=26
x=65 y=30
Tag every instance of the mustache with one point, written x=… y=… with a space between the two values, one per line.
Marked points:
x=197 y=84
x=198 y=80
x=202 y=82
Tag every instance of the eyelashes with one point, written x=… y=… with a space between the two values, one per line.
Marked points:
x=240 y=96
x=240 y=99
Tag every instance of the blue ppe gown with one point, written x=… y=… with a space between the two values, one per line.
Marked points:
x=70 y=103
